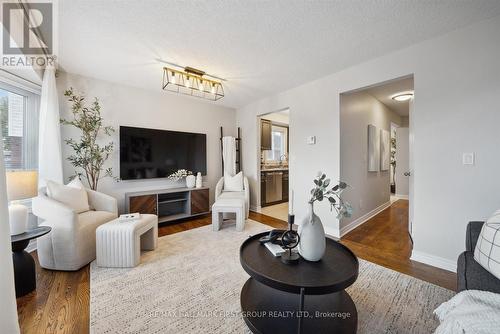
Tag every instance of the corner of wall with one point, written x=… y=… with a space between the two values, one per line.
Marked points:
x=434 y=261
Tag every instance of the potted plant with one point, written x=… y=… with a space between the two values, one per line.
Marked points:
x=312 y=234
x=88 y=156
x=184 y=174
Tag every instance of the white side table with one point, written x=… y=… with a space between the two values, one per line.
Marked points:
x=229 y=205
x=119 y=244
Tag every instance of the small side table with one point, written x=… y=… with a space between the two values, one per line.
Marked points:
x=24 y=265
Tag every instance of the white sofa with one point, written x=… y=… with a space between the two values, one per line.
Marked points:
x=245 y=194
x=71 y=243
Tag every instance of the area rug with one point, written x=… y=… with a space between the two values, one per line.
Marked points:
x=191 y=284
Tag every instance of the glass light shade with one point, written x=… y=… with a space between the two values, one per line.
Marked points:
x=402 y=97
x=179 y=81
x=21 y=184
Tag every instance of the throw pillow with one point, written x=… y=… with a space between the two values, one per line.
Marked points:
x=76 y=183
x=487 y=252
x=233 y=183
x=75 y=198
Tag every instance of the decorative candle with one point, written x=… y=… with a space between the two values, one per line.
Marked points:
x=291 y=204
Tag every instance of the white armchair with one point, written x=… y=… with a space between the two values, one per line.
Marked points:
x=71 y=243
x=245 y=194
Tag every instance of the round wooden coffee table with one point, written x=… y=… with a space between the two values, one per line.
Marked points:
x=307 y=297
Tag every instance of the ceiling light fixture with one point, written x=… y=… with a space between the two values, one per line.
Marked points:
x=402 y=97
x=191 y=81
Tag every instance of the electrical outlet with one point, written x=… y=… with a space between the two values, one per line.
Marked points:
x=468 y=158
x=311 y=140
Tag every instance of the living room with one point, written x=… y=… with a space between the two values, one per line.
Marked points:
x=131 y=167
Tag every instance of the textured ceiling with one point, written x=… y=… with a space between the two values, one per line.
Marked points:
x=261 y=47
x=385 y=91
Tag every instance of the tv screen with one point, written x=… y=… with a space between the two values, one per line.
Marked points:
x=150 y=153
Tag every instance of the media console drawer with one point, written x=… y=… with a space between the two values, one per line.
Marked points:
x=199 y=201
x=143 y=204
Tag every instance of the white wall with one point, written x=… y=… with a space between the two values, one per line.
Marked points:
x=128 y=106
x=368 y=190
x=457 y=85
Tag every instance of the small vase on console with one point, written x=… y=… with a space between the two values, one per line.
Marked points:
x=190 y=181
x=199 y=180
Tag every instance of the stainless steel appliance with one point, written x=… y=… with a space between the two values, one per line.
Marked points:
x=274 y=186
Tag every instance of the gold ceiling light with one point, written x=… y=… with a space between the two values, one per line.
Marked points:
x=191 y=81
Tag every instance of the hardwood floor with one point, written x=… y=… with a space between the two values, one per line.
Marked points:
x=385 y=240
x=61 y=302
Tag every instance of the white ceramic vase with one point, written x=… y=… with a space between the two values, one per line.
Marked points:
x=312 y=237
x=199 y=180
x=190 y=181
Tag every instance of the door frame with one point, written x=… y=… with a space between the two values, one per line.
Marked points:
x=258 y=153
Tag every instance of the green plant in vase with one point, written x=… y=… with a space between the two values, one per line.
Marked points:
x=312 y=234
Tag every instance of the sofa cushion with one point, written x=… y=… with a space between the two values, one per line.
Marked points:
x=471 y=276
x=75 y=198
x=233 y=183
x=473 y=231
x=487 y=251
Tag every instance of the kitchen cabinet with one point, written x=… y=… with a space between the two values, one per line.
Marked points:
x=262 y=189
x=266 y=132
x=285 y=186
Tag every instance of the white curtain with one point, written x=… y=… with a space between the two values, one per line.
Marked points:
x=49 y=144
x=8 y=314
x=229 y=155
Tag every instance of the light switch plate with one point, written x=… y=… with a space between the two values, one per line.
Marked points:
x=468 y=158
x=311 y=140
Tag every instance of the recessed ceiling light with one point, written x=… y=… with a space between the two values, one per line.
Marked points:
x=402 y=97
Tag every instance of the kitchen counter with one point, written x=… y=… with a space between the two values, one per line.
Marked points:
x=277 y=169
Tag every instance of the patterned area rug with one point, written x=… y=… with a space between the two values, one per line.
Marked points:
x=191 y=284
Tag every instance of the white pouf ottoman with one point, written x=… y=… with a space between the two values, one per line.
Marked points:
x=119 y=244
x=229 y=205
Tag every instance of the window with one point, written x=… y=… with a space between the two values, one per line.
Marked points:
x=278 y=145
x=19 y=126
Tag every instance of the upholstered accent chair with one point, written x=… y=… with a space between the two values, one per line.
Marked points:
x=245 y=194
x=72 y=241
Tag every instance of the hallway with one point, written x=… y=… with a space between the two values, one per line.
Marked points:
x=384 y=239
x=387 y=232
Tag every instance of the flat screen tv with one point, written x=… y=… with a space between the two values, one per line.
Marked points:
x=150 y=153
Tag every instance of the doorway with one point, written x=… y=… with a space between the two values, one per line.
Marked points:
x=375 y=154
x=274 y=148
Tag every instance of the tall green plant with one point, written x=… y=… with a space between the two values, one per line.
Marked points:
x=88 y=156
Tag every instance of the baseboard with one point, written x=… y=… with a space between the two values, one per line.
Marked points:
x=361 y=220
x=434 y=261
x=401 y=196
x=332 y=232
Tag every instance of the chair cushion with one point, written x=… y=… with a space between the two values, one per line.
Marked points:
x=75 y=198
x=233 y=183
x=232 y=194
x=487 y=251
x=89 y=221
